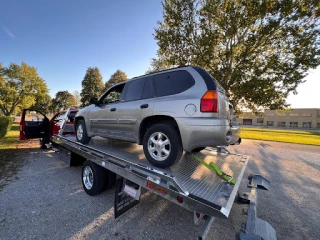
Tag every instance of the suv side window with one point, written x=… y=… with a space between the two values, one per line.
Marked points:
x=148 y=89
x=134 y=89
x=113 y=95
x=173 y=82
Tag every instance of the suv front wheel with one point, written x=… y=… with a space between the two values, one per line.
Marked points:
x=81 y=132
x=162 y=145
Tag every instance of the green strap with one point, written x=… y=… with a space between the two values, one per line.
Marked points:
x=214 y=168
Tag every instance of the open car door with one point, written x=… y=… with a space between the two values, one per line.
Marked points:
x=34 y=124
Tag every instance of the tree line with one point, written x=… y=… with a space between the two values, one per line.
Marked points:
x=260 y=52
x=22 y=87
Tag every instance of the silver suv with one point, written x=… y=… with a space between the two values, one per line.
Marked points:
x=167 y=112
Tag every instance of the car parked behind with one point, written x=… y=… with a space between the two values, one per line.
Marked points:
x=167 y=112
x=35 y=124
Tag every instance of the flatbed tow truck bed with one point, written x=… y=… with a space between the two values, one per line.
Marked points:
x=187 y=178
x=188 y=183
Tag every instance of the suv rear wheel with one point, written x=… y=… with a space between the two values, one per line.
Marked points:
x=162 y=145
x=81 y=132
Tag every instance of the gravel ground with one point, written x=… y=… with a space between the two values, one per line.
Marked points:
x=45 y=200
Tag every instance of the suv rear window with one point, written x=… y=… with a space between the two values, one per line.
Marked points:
x=173 y=82
x=212 y=84
x=148 y=89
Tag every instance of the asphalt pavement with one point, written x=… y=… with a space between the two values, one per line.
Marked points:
x=44 y=199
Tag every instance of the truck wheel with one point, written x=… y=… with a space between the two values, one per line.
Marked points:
x=93 y=178
x=162 y=145
x=81 y=132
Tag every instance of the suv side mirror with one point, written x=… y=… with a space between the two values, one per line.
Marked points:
x=93 y=100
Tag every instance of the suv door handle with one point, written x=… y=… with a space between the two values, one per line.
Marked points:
x=144 y=106
x=113 y=109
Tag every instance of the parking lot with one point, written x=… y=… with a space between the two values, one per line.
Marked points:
x=41 y=197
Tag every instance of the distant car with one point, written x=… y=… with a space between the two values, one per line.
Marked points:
x=41 y=127
x=167 y=112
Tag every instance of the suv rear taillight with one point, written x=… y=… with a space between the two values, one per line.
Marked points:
x=209 y=101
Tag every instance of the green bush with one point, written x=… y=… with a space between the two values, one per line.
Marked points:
x=5 y=125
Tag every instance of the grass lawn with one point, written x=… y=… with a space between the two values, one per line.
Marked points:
x=301 y=137
x=9 y=141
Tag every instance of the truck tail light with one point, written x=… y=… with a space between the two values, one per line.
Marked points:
x=180 y=199
x=209 y=102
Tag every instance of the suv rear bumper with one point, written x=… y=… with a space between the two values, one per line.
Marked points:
x=206 y=132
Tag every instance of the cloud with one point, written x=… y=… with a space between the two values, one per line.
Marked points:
x=10 y=34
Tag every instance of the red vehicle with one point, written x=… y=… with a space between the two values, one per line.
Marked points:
x=35 y=124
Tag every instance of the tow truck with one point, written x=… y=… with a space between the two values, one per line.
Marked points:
x=119 y=165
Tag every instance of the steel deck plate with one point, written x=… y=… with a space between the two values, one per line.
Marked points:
x=189 y=173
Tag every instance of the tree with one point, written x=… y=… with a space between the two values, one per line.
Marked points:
x=20 y=86
x=260 y=51
x=157 y=64
x=42 y=103
x=115 y=78
x=92 y=85
x=77 y=98
x=63 y=100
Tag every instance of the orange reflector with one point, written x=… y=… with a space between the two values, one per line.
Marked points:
x=212 y=94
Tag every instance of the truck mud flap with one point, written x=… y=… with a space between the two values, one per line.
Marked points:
x=255 y=228
x=123 y=201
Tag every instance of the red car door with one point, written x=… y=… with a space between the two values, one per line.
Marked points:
x=33 y=124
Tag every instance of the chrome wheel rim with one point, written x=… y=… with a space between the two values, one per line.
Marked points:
x=159 y=146
x=88 y=177
x=80 y=132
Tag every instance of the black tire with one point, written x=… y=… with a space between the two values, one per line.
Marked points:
x=176 y=149
x=84 y=139
x=199 y=149
x=99 y=176
x=42 y=143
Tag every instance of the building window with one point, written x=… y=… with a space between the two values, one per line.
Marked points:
x=294 y=114
x=293 y=124
x=306 y=115
x=260 y=120
x=318 y=125
x=269 y=123
x=247 y=121
x=281 y=124
x=306 y=124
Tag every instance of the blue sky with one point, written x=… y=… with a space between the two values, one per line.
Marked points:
x=63 y=38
